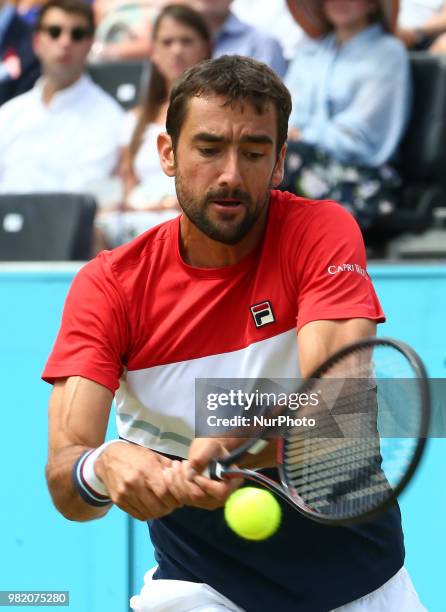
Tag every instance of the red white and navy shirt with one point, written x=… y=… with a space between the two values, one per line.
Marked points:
x=143 y=323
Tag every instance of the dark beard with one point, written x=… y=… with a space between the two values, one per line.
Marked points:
x=230 y=234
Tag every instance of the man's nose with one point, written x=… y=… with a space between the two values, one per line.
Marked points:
x=230 y=174
x=65 y=38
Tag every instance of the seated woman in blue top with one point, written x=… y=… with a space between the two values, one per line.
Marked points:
x=351 y=89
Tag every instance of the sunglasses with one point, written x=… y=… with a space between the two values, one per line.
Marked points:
x=77 y=34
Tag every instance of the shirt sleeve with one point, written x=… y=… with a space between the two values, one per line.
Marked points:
x=333 y=282
x=93 y=337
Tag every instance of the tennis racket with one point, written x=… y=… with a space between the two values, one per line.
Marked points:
x=371 y=424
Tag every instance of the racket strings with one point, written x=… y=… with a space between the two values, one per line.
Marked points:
x=360 y=447
x=330 y=466
x=337 y=472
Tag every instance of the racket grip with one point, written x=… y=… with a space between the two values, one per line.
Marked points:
x=214 y=471
x=257 y=447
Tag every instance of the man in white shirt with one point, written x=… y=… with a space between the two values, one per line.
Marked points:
x=63 y=135
x=422 y=24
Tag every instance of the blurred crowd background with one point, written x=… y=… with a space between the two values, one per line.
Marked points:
x=84 y=90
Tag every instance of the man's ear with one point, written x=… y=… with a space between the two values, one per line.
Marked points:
x=166 y=153
x=279 y=168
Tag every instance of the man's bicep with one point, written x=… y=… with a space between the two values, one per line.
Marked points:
x=318 y=340
x=79 y=410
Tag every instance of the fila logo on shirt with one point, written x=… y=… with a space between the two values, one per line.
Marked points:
x=262 y=314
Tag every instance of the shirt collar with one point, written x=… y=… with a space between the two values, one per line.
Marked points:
x=66 y=96
x=6 y=15
x=371 y=33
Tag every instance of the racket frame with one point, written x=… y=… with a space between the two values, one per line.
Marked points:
x=221 y=468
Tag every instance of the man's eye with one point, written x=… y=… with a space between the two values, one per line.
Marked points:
x=254 y=154
x=208 y=151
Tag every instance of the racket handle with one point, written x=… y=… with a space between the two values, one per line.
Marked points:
x=214 y=471
x=257 y=447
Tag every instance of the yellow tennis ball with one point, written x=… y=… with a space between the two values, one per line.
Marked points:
x=253 y=514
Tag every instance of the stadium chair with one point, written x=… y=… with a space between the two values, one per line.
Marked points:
x=422 y=167
x=46 y=227
x=121 y=79
x=423 y=151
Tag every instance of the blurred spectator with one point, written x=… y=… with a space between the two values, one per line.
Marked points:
x=180 y=40
x=19 y=67
x=351 y=95
x=232 y=36
x=273 y=18
x=63 y=134
x=422 y=24
x=124 y=29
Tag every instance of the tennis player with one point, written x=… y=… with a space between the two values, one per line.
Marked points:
x=247 y=282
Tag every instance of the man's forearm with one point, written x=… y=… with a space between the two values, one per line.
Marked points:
x=61 y=486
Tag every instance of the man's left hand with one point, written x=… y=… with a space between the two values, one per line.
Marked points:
x=190 y=487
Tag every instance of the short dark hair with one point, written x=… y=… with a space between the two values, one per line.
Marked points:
x=75 y=7
x=238 y=79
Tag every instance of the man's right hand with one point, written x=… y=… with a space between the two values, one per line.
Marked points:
x=134 y=479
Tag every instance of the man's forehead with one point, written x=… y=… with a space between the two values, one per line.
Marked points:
x=218 y=113
x=58 y=15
